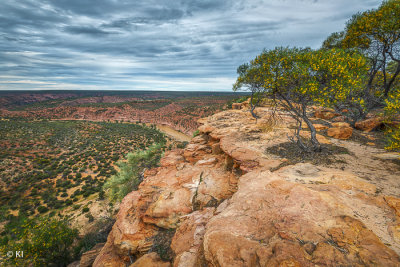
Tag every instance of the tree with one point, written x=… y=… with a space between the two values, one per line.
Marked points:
x=392 y=110
x=298 y=78
x=376 y=33
x=251 y=80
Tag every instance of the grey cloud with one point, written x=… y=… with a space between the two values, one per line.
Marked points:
x=90 y=30
x=155 y=44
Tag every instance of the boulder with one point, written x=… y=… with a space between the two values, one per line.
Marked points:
x=325 y=113
x=320 y=127
x=340 y=125
x=236 y=105
x=339 y=119
x=369 y=124
x=150 y=260
x=343 y=133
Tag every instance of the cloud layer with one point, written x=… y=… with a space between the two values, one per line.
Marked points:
x=153 y=44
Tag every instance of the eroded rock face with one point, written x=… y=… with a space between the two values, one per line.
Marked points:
x=88 y=257
x=150 y=260
x=272 y=221
x=233 y=204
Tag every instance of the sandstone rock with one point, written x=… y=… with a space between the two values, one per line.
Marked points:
x=167 y=209
x=280 y=231
x=322 y=139
x=236 y=105
x=188 y=238
x=394 y=203
x=210 y=161
x=325 y=113
x=340 y=125
x=369 y=124
x=172 y=158
x=340 y=132
x=339 y=119
x=206 y=128
x=88 y=257
x=320 y=127
x=216 y=148
x=150 y=260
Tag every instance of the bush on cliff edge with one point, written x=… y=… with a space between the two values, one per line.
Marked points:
x=130 y=173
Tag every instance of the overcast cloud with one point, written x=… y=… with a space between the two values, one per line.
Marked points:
x=153 y=44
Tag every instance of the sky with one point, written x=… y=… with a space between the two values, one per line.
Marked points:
x=153 y=44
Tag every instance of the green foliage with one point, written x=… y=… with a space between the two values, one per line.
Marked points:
x=376 y=33
x=196 y=133
x=299 y=77
x=131 y=170
x=182 y=145
x=45 y=242
x=237 y=100
x=392 y=110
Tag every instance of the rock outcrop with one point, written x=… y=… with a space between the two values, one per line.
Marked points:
x=229 y=202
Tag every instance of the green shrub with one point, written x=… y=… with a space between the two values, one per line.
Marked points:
x=85 y=209
x=45 y=242
x=130 y=175
x=42 y=209
x=196 y=133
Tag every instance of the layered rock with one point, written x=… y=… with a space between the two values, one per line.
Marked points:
x=231 y=203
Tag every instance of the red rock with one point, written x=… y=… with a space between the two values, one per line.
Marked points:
x=188 y=238
x=88 y=257
x=172 y=158
x=325 y=113
x=340 y=125
x=340 y=132
x=369 y=124
x=339 y=119
x=394 y=203
x=236 y=105
x=280 y=231
x=320 y=127
x=150 y=260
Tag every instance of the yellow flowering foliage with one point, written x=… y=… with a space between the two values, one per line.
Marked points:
x=392 y=110
x=380 y=25
x=43 y=242
x=307 y=76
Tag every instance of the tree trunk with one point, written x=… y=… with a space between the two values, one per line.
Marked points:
x=389 y=84
x=316 y=146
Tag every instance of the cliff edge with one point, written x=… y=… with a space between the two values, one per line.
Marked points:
x=228 y=200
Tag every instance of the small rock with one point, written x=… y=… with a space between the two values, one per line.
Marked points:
x=343 y=133
x=340 y=124
x=236 y=106
x=339 y=119
x=325 y=113
x=369 y=124
x=320 y=127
